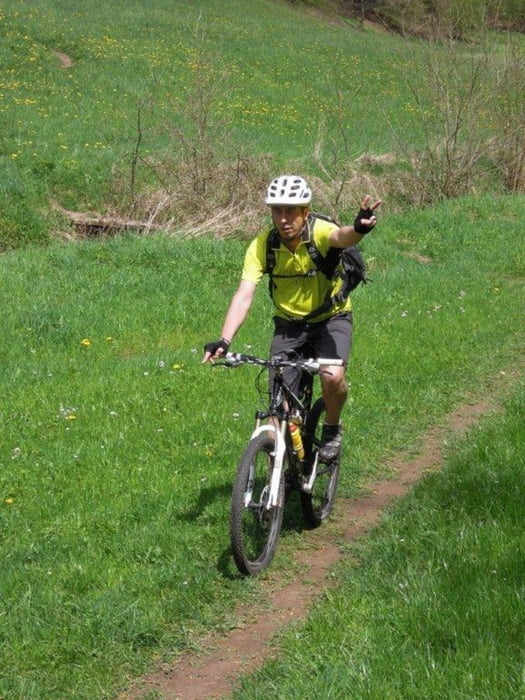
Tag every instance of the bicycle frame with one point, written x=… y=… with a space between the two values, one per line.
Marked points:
x=273 y=463
x=282 y=403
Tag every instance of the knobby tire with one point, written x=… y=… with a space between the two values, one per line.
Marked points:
x=316 y=506
x=254 y=529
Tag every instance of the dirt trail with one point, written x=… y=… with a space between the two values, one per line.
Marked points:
x=213 y=671
x=65 y=60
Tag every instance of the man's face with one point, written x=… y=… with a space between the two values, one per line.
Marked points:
x=289 y=220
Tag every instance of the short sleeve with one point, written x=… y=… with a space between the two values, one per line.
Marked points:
x=255 y=259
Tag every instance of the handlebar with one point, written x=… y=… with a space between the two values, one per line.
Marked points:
x=311 y=365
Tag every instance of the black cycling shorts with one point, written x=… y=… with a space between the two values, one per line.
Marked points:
x=328 y=339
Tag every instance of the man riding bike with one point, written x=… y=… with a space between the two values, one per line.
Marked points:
x=298 y=288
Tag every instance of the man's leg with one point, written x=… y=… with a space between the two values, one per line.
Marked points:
x=335 y=392
x=333 y=339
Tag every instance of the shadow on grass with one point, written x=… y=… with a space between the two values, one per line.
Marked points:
x=293 y=521
x=208 y=497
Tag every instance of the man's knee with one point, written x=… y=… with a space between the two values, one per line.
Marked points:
x=335 y=383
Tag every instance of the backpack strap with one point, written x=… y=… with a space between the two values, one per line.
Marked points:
x=325 y=264
x=352 y=272
x=330 y=265
x=273 y=242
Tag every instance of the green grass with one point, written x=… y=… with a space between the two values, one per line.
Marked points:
x=68 y=135
x=433 y=607
x=119 y=448
x=125 y=54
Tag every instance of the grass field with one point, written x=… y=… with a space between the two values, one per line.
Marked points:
x=433 y=605
x=118 y=448
x=63 y=131
x=157 y=103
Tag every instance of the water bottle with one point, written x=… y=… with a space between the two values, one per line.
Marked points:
x=297 y=440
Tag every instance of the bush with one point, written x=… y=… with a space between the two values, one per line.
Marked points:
x=508 y=145
x=440 y=17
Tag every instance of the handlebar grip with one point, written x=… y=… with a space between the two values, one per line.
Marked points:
x=327 y=362
x=237 y=358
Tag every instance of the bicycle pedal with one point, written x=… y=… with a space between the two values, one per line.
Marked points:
x=308 y=480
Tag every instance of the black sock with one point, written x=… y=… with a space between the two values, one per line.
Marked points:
x=331 y=431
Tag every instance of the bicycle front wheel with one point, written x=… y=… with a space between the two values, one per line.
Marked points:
x=255 y=524
x=318 y=504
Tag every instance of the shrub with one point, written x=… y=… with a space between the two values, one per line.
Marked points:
x=508 y=144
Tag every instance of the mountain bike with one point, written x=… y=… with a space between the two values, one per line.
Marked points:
x=282 y=456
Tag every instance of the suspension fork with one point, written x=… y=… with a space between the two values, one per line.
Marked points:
x=278 y=457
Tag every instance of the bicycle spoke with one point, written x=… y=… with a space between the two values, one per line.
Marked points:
x=254 y=523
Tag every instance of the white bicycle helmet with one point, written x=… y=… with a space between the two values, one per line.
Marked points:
x=288 y=190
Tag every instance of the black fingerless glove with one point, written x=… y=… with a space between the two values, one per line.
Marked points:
x=363 y=228
x=221 y=344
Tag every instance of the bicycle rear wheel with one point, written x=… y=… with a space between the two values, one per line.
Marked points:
x=318 y=504
x=254 y=526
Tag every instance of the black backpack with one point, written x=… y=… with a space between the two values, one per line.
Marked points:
x=347 y=263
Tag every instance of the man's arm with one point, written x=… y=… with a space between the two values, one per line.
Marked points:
x=235 y=316
x=365 y=222
x=238 y=309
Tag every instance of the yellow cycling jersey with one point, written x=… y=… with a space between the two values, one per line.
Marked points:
x=296 y=292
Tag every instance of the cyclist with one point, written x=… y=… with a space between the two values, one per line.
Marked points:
x=297 y=288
